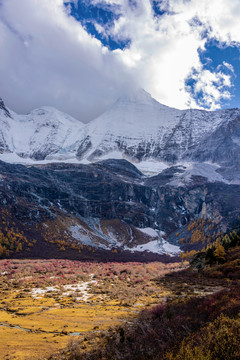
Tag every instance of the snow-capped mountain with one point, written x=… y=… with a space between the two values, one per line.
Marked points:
x=136 y=127
x=85 y=189
x=132 y=126
x=36 y=135
x=139 y=128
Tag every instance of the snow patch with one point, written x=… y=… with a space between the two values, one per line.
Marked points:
x=158 y=247
x=111 y=155
x=13 y=158
x=206 y=170
x=81 y=235
x=149 y=231
x=151 y=167
x=169 y=248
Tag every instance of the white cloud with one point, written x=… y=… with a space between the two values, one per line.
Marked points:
x=222 y=16
x=164 y=50
x=47 y=58
x=229 y=66
x=213 y=88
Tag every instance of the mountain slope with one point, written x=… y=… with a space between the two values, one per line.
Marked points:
x=36 y=135
x=132 y=126
x=138 y=127
x=108 y=205
x=135 y=127
x=80 y=186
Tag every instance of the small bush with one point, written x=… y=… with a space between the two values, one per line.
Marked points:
x=220 y=340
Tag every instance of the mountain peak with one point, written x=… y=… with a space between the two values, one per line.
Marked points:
x=136 y=94
x=51 y=113
x=139 y=96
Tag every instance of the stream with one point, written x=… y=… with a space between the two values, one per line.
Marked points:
x=41 y=331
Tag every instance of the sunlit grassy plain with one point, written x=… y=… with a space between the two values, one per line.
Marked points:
x=46 y=303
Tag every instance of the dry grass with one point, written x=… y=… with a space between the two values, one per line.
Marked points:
x=37 y=324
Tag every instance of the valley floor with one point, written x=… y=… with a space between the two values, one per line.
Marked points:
x=47 y=304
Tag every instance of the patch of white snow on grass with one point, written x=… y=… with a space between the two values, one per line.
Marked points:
x=68 y=290
x=36 y=292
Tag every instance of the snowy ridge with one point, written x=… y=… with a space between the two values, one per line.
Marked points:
x=130 y=122
x=42 y=132
x=136 y=127
x=139 y=128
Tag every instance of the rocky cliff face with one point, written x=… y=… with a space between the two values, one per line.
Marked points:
x=222 y=147
x=111 y=204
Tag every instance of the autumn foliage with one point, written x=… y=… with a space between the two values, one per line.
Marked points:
x=202 y=329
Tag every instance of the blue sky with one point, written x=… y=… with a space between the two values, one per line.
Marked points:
x=80 y=55
x=220 y=57
x=89 y=15
x=214 y=56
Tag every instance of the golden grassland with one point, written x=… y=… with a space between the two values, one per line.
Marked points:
x=49 y=328
x=34 y=325
x=201 y=321
x=72 y=310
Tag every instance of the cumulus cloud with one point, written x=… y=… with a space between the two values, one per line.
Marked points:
x=162 y=51
x=211 y=87
x=48 y=57
x=221 y=16
x=165 y=49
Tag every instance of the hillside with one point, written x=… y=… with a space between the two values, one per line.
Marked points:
x=196 y=323
x=82 y=211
